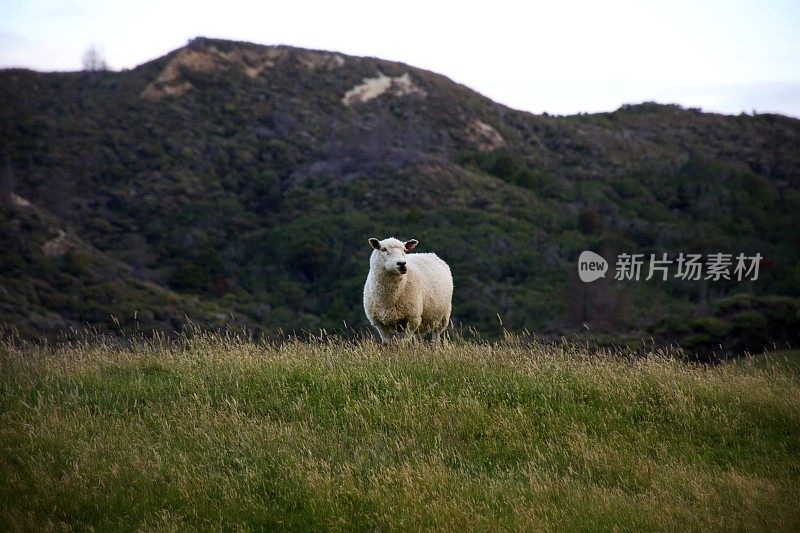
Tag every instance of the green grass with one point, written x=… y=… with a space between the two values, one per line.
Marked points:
x=787 y=359
x=214 y=431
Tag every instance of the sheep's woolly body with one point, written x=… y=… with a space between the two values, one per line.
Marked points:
x=419 y=301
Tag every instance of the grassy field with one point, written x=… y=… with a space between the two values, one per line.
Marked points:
x=209 y=432
x=788 y=360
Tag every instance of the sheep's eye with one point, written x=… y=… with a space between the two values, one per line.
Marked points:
x=383 y=249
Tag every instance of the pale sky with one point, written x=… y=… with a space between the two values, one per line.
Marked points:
x=560 y=57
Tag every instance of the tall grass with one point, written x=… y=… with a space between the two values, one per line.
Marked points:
x=217 y=431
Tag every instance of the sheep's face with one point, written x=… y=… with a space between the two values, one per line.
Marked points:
x=390 y=254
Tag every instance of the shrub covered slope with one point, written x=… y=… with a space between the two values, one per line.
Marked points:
x=233 y=180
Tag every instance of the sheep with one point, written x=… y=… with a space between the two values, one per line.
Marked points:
x=407 y=294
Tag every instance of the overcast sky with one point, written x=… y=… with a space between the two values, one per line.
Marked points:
x=561 y=57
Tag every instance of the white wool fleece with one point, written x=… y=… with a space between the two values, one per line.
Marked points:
x=401 y=301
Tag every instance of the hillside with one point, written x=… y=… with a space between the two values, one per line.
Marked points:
x=228 y=182
x=211 y=432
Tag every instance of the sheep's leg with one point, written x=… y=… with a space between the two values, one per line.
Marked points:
x=437 y=337
x=386 y=334
x=406 y=336
x=391 y=335
x=402 y=333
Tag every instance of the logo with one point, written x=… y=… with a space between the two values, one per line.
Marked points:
x=591 y=266
x=692 y=267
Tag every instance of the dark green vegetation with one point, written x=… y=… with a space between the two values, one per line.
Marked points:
x=227 y=180
x=207 y=432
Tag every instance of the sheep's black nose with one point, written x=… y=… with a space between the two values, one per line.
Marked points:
x=401 y=263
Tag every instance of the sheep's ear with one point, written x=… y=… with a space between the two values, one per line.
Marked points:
x=411 y=244
x=375 y=243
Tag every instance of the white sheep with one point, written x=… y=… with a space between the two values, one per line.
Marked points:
x=407 y=294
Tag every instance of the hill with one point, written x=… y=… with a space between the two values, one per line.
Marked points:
x=210 y=432
x=231 y=181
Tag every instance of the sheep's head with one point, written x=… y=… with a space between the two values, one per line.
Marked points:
x=390 y=254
